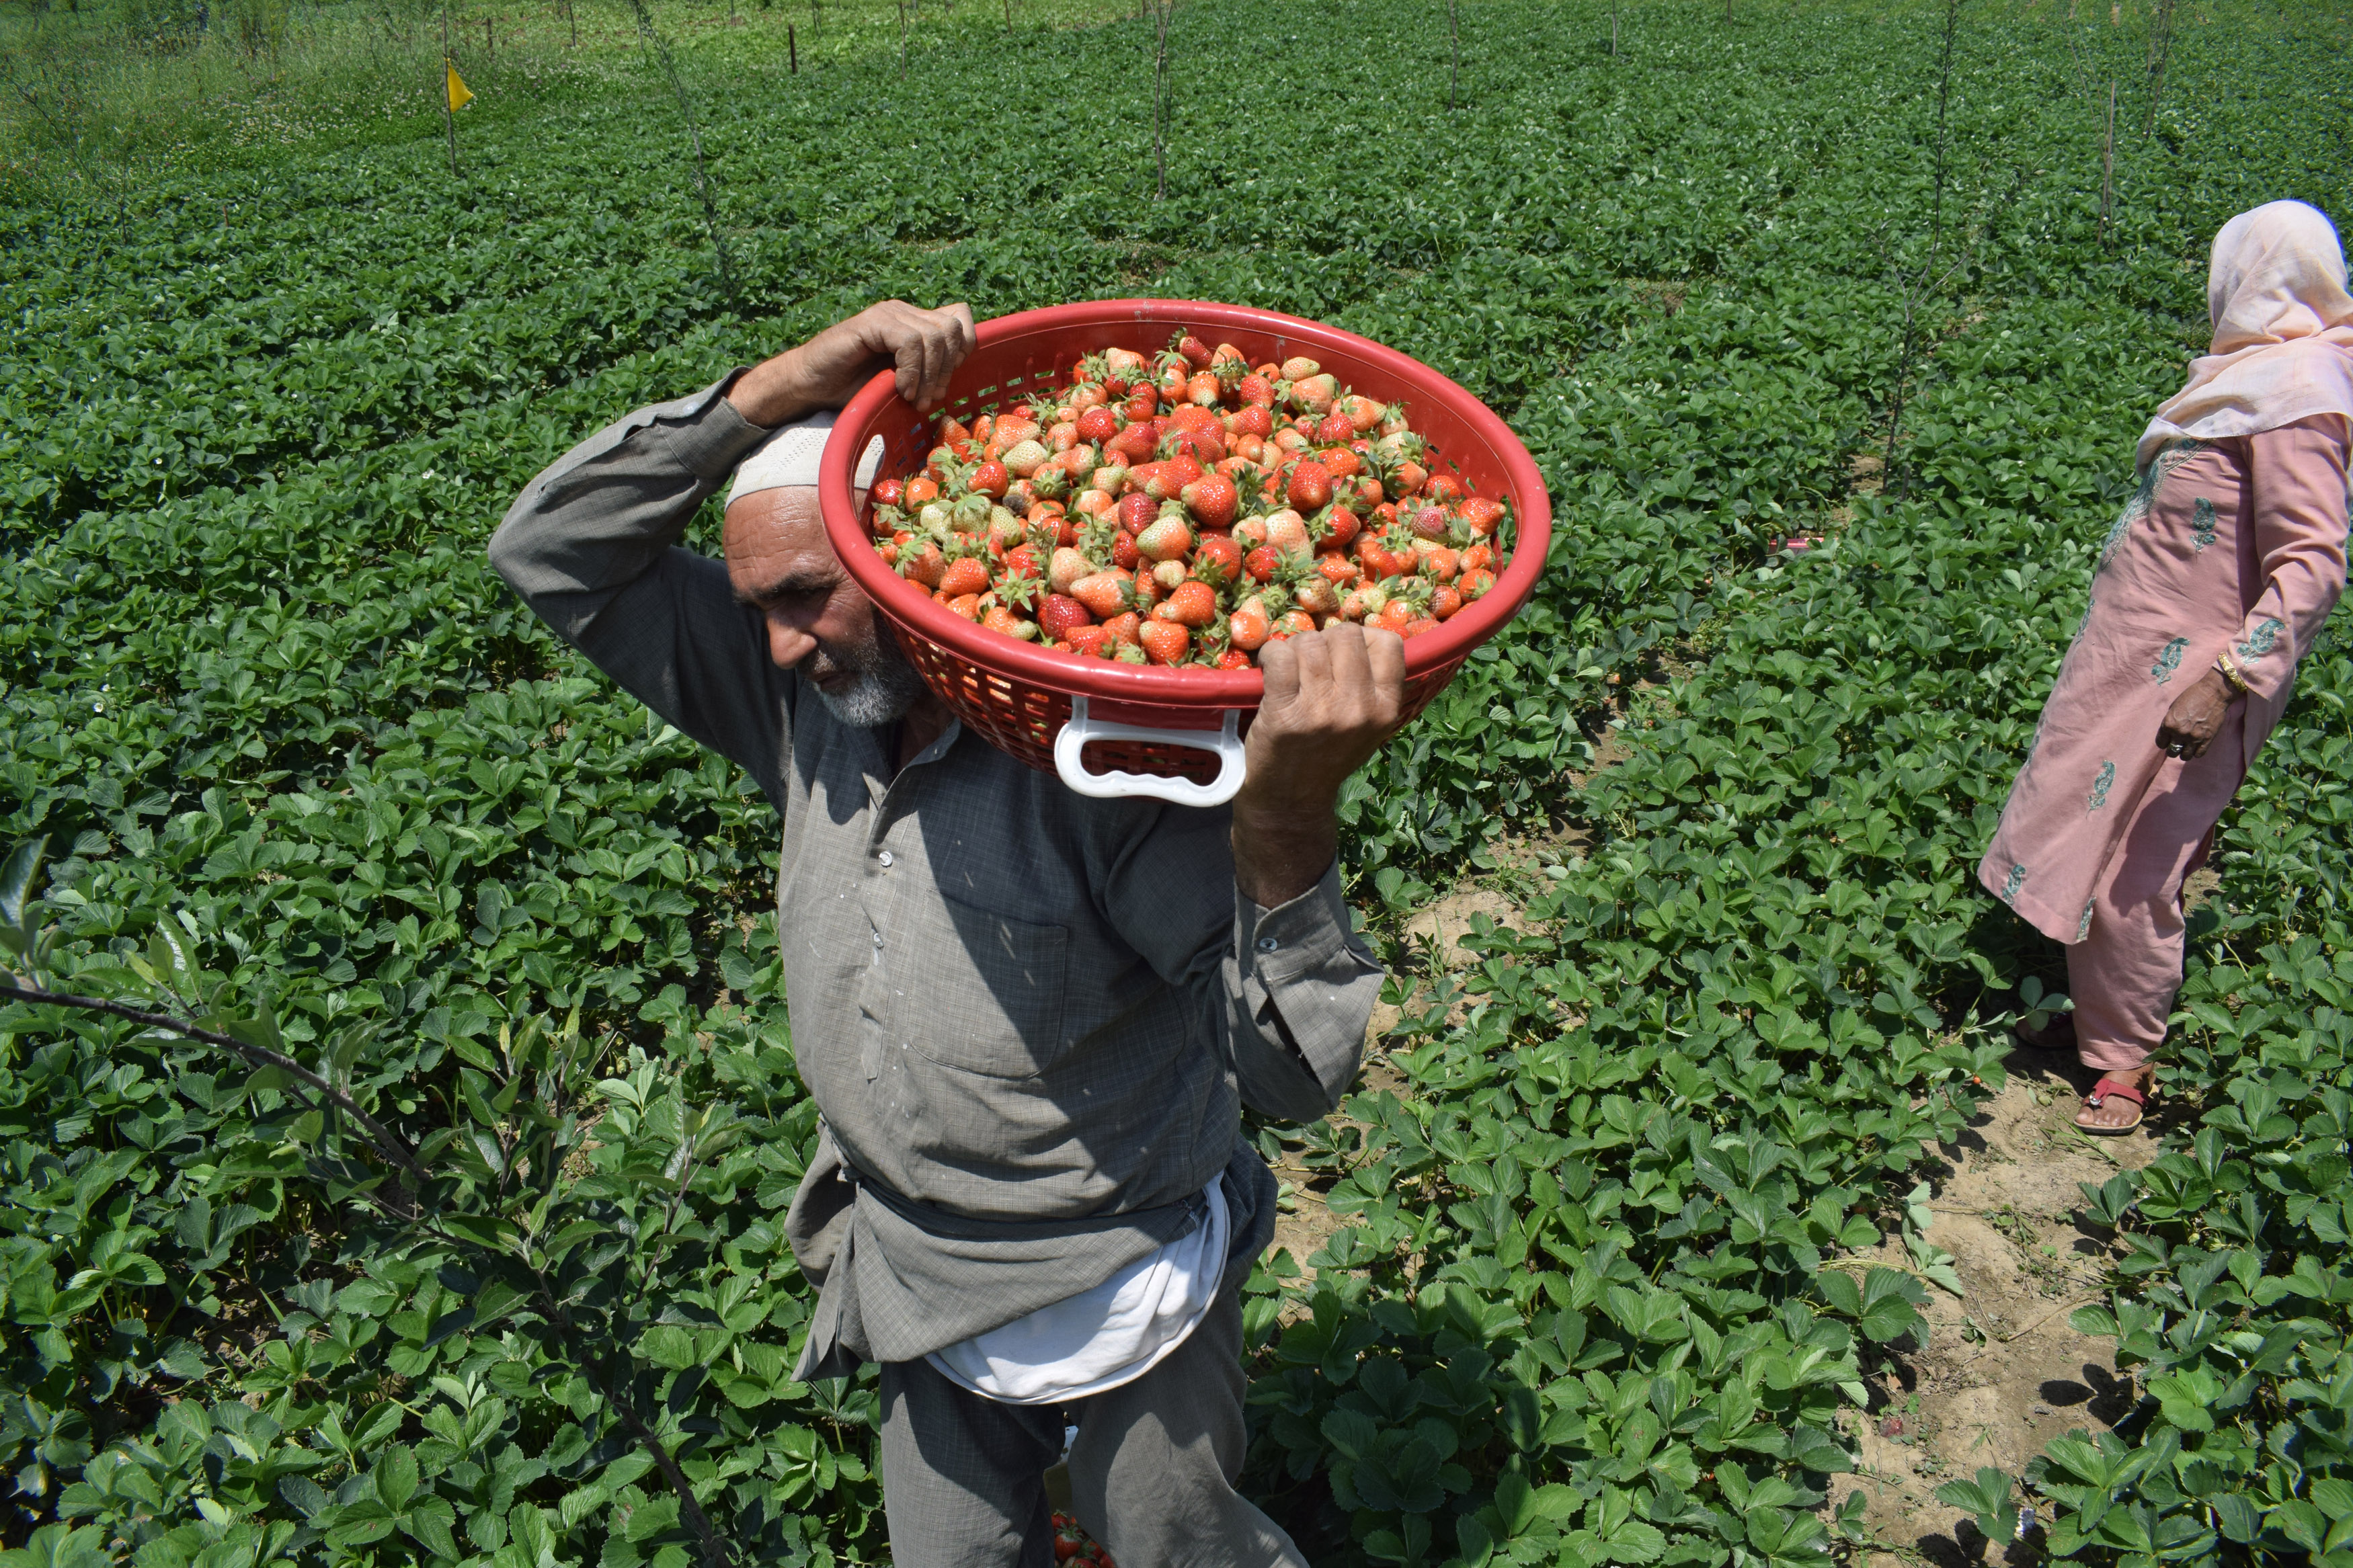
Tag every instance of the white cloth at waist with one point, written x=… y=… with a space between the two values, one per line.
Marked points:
x=1100 y=1338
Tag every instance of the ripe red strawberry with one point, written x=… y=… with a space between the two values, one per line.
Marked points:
x=965 y=605
x=1253 y=420
x=1218 y=560
x=1340 y=462
x=1247 y=629
x=1294 y=623
x=1190 y=604
x=1343 y=526
x=969 y=575
x=1172 y=375
x=1472 y=585
x=1104 y=593
x=1169 y=478
x=1406 y=479
x=1479 y=558
x=1311 y=487
x=1136 y=512
x=1393 y=615
x=1093 y=640
x=1124 y=625
x=888 y=492
x=1203 y=447
x=1256 y=389
x=1213 y=499
x=1334 y=428
x=1440 y=563
x=1060 y=613
x=1166 y=539
x=1196 y=352
x=1134 y=444
x=1097 y=425
x=1337 y=569
x=1444 y=603
x=952 y=430
x=1123 y=553
x=1482 y=515
x=1444 y=488
x=1261 y=563
x=1165 y=642
x=921 y=490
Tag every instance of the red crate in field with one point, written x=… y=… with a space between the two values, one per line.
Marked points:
x=1170 y=732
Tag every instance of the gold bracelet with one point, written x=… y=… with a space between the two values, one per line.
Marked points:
x=2230 y=673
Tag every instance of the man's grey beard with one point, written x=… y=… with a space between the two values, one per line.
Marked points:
x=885 y=686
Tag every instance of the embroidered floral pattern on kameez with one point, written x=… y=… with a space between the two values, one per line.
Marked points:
x=2169 y=457
x=2083 y=926
x=2260 y=642
x=2201 y=524
x=2169 y=660
x=2099 y=796
x=2011 y=883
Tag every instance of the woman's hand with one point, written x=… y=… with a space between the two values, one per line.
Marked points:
x=1333 y=697
x=2196 y=718
x=923 y=346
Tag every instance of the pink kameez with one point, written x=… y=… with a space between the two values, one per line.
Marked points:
x=2238 y=545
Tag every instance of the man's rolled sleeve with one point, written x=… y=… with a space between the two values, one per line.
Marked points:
x=1302 y=985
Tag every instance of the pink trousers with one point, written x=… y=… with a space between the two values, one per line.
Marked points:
x=2123 y=975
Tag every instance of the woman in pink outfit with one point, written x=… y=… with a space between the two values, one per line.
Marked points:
x=2212 y=585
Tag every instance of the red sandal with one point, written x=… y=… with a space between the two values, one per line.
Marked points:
x=2111 y=1085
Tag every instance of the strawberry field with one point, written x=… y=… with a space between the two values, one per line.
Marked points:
x=1629 y=1236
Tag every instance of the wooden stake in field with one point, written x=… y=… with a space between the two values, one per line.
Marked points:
x=2108 y=164
x=490 y=40
x=449 y=108
x=903 y=40
x=1161 y=10
x=654 y=40
x=793 y=49
x=2161 y=48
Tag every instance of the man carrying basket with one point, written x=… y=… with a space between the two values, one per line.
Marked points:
x=1029 y=1019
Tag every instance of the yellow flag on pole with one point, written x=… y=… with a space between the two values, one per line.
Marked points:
x=459 y=95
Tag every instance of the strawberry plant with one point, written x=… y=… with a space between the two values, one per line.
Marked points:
x=312 y=784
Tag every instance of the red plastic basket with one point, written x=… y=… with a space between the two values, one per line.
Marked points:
x=1170 y=733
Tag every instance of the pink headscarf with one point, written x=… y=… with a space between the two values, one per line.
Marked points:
x=2283 y=331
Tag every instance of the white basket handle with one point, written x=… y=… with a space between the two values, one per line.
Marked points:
x=1081 y=730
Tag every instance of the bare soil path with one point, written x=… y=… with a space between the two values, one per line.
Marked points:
x=2002 y=1373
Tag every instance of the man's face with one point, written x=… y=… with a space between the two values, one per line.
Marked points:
x=780 y=564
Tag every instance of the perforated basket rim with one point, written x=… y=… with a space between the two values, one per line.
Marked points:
x=878 y=402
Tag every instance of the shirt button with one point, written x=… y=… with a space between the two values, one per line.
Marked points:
x=878 y=941
x=1268 y=945
x=885 y=859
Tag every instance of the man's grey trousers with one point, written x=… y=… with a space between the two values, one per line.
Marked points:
x=1151 y=1473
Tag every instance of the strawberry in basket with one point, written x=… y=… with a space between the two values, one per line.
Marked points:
x=1188 y=508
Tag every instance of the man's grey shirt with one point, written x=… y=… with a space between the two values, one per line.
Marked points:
x=1028 y=1018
